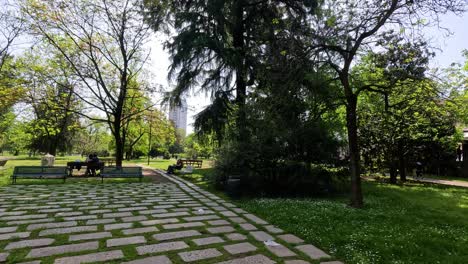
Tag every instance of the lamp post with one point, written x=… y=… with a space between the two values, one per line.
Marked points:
x=149 y=141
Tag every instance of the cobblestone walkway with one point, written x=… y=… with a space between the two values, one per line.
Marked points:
x=138 y=223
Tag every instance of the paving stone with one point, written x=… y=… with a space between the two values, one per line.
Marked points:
x=90 y=236
x=55 y=210
x=240 y=248
x=112 y=215
x=51 y=225
x=255 y=219
x=183 y=225
x=248 y=227
x=94 y=257
x=102 y=211
x=312 y=252
x=220 y=229
x=218 y=222
x=132 y=209
x=239 y=211
x=273 y=229
x=161 y=247
x=115 y=242
x=208 y=241
x=292 y=239
x=296 y=261
x=12 y=213
x=68 y=214
x=201 y=218
x=118 y=226
x=159 y=221
x=43 y=220
x=238 y=220
x=80 y=217
x=8 y=229
x=67 y=230
x=151 y=260
x=236 y=237
x=228 y=213
x=8 y=236
x=255 y=259
x=100 y=221
x=141 y=230
x=332 y=262
x=281 y=251
x=158 y=211
x=134 y=218
x=167 y=215
x=261 y=236
x=31 y=262
x=4 y=256
x=23 y=217
x=199 y=254
x=57 y=250
x=174 y=235
x=30 y=243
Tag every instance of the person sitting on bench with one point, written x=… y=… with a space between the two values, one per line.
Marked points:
x=177 y=166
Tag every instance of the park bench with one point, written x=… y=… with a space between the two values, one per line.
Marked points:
x=39 y=172
x=194 y=163
x=121 y=172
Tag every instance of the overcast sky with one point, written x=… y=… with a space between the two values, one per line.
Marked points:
x=449 y=50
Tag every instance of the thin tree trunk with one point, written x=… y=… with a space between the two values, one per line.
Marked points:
x=351 y=120
x=393 y=173
x=239 y=45
x=401 y=162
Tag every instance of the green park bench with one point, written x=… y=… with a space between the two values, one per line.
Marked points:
x=39 y=172
x=121 y=172
x=194 y=163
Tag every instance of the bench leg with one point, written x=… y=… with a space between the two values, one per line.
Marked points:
x=102 y=179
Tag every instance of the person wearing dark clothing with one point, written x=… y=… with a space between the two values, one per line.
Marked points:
x=177 y=166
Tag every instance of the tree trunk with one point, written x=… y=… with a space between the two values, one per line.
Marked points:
x=239 y=45
x=393 y=173
x=351 y=121
x=401 y=163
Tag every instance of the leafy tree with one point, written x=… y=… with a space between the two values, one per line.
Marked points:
x=103 y=43
x=345 y=30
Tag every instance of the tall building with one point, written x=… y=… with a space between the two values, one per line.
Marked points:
x=178 y=115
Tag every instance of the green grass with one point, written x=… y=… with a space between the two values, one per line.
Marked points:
x=411 y=223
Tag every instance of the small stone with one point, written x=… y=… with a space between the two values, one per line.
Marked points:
x=58 y=250
x=30 y=243
x=67 y=230
x=292 y=239
x=8 y=229
x=174 y=235
x=118 y=226
x=281 y=251
x=255 y=219
x=151 y=260
x=248 y=227
x=200 y=254
x=90 y=236
x=115 y=242
x=51 y=225
x=161 y=247
x=221 y=229
x=141 y=230
x=236 y=237
x=273 y=229
x=3 y=257
x=240 y=248
x=261 y=236
x=312 y=252
x=8 y=236
x=218 y=222
x=255 y=259
x=208 y=241
x=159 y=221
x=94 y=257
x=183 y=225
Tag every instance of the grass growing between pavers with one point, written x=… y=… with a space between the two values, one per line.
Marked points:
x=411 y=223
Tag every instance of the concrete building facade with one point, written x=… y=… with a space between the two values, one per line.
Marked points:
x=178 y=115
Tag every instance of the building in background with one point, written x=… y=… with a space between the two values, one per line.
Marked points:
x=178 y=115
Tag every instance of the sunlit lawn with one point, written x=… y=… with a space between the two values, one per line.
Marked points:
x=414 y=223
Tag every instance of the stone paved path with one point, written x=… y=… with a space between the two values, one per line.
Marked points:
x=443 y=182
x=172 y=222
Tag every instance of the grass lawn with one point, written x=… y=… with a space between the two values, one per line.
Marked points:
x=413 y=223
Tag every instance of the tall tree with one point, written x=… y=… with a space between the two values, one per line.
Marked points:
x=344 y=30
x=103 y=42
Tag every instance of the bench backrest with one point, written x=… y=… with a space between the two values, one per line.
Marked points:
x=44 y=170
x=121 y=171
x=3 y=162
x=197 y=163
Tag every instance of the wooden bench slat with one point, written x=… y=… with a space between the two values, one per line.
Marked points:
x=43 y=172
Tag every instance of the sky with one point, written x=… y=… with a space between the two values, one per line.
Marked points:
x=448 y=47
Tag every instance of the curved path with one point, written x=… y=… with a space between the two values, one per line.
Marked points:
x=168 y=222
